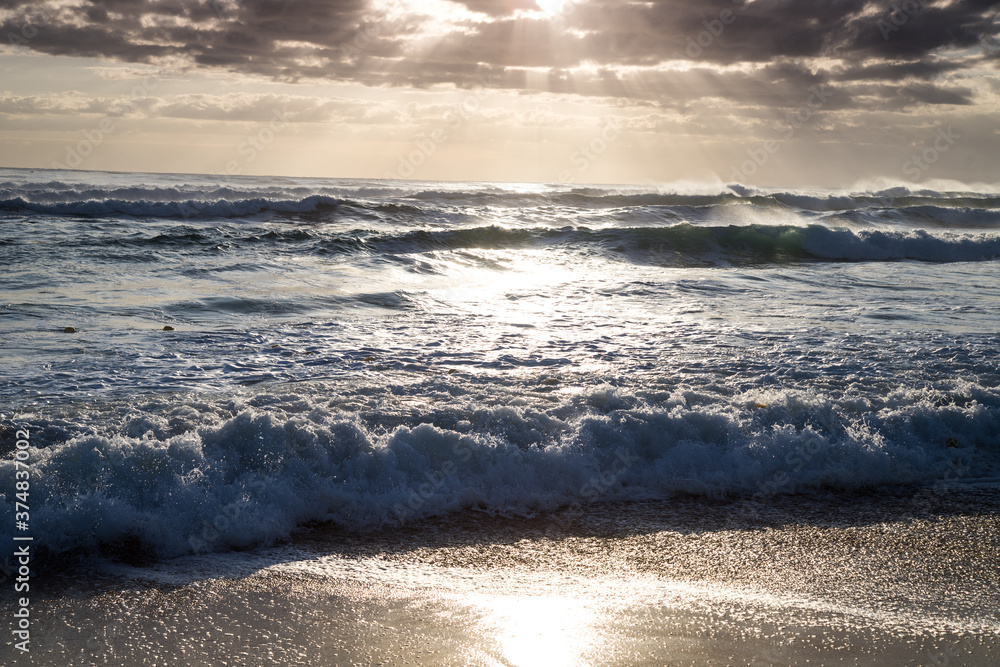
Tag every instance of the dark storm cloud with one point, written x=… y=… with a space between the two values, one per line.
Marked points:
x=782 y=46
x=767 y=29
x=242 y=36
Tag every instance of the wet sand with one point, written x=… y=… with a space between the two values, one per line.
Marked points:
x=863 y=579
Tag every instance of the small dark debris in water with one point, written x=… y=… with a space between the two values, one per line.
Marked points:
x=69 y=330
x=368 y=359
x=550 y=381
x=274 y=347
x=168 y=328
x=451 y=371
x=952 y=442
x=309 y=352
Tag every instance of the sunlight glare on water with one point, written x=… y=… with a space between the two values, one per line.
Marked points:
x=542 y=631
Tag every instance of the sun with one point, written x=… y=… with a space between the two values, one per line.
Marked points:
x=554 y=7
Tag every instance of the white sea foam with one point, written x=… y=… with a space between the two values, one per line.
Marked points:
x=187 y=477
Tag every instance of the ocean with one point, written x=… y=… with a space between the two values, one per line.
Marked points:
x=217 y=367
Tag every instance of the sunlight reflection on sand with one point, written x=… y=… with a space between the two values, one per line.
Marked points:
x=542 y=631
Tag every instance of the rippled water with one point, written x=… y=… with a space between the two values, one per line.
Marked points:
x=339 y=347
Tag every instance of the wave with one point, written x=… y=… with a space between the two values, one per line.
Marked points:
x=173 y=209
x=677 y=245
x=207 y=198
x=686 y=243
x=829 y=202
x=923 y=216
x=192 y=476
x=820 y=242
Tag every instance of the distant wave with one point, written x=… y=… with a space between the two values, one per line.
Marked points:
x=211 y=200
x=677 y=245
x=781 y=200
x=937 y=217
x=685 y=243
x=386 y=219
x=196 y=209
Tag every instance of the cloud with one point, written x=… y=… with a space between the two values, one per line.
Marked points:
x=233 y=107
x=760 y=53
x=499 y=7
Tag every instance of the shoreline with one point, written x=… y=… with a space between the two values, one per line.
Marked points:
x=652 y=582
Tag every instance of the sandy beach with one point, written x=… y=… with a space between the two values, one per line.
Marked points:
x=885 y=579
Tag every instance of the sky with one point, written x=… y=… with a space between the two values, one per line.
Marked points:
x=766 y=92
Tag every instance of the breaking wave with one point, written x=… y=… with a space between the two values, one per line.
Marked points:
x=192 y=476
